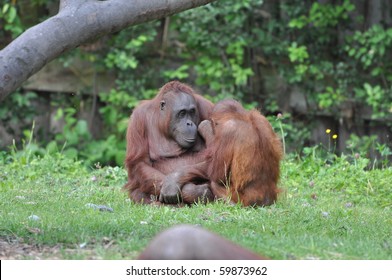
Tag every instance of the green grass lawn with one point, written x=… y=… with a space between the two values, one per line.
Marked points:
x=327 y=210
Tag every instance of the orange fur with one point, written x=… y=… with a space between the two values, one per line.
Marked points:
x=244 y=155
x=151 y=154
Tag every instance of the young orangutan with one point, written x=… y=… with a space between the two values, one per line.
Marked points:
x=243 y=155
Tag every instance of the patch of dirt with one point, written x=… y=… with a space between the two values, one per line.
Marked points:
x=17 y=249
x=13 y=248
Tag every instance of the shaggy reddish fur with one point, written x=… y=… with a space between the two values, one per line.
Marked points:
x=151 y=154
x=244 y=155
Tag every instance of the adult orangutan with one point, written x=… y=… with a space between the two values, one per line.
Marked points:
x=243 y=155
x=163 y=146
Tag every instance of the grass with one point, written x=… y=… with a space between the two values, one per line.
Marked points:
x=329 y=209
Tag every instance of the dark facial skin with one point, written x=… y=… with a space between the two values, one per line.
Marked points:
x=184 y=119
x=183 y=122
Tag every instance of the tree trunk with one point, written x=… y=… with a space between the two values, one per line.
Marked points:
x=78 y=22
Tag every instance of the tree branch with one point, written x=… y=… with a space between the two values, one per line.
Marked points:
x=78 y=22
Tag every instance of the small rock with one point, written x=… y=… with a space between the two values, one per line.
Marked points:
x=34 y=218
x=143 y=223
x=325 y=214
x=31 y=202
x=348 y=205
x=99 y=207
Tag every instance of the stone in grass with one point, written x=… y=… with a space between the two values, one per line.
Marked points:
x=349 y=205
x=102 y=208
x=34 y=218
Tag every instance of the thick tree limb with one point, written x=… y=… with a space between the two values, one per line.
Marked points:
x=78 y=22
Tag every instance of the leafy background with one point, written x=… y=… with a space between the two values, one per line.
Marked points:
x=256 y=51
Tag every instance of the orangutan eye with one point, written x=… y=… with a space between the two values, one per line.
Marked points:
x=182 y=113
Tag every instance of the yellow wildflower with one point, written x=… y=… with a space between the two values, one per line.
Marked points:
x=328 y=131
x=335 y=136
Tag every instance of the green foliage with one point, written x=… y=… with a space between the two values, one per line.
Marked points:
x=298 y=53
x=124 y=58
x=17 y=111
x=385 y=153
x=330 y=97
x=368 y=48
x=181 y=73
x=22 y=101
x=77 y=142
x=74 y=130
x=310 y=52
x=221 y=67
x=9 y=15
x=290 y=131
x=323 y=15
x=217 y=35
x=331 y=82
x=224 y=49
x=364 y=146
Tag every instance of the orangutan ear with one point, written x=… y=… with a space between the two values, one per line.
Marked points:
x=163 y=104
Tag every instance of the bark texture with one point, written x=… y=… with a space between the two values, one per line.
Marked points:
x=77 y=22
